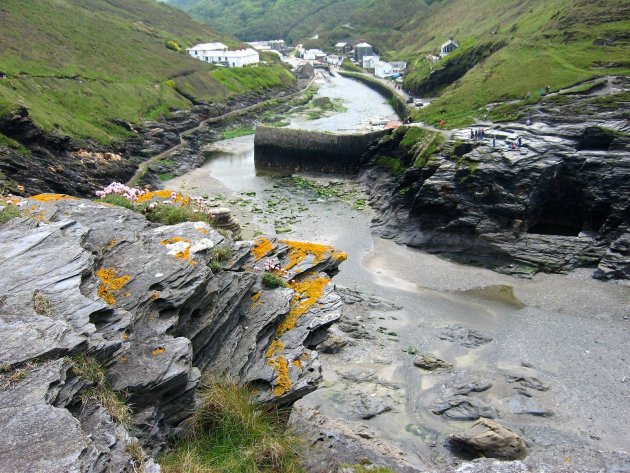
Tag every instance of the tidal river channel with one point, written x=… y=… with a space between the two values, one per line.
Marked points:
x=567 y=332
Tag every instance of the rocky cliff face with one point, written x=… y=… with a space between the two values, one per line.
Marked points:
x=86 y=281
x=557 y=202
x=52 y=163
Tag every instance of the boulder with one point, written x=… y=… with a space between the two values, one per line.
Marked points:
x=431 y=363
x=487 y=438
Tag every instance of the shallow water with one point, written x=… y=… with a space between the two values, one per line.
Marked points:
x=568 y=331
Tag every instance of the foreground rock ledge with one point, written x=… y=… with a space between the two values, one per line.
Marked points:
x=83 y=278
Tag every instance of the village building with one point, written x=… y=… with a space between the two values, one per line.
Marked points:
x=342 y=48
x=200 y=50
x=314 y=55
x=361 y=50
x=218 y=53
x=398 y=67
x=448 y=47
x=383 y=69
x=370 y=62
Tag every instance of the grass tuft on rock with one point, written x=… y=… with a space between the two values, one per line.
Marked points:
x=100 y=392
x=9 y=212
x=230 y=432
x=272 y=281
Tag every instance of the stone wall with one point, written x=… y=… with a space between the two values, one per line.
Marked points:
x=304 y=150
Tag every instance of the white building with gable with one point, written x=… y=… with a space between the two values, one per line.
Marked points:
x=218 y=53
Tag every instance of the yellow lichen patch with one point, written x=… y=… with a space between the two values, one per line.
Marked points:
x=308 y=291
x=261 y=248
x=281 y=367
x=111 y=244
x=123 y=358
x=52 y=197
x=164 y=195
x=298 y=363
x=110 y=284
x=155 y=296
x=182 y=249
x=299 y=251
x=158 y=351
x=274 y=349
x=256 y=297
x=283 y=380
x=202 y=230
x=125 y=336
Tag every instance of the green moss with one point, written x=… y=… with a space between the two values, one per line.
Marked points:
x=167 y=176
x=392 y=164
x=238 y=132
x=272 y=281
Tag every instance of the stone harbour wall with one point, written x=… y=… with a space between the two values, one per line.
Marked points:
x=304 y=150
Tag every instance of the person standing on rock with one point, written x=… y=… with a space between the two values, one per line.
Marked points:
x=472 y=134
x=494 y=141
x=520 y=141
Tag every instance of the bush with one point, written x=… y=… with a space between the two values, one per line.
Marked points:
x=230 y=432
x=272 y=281
x=173 y=46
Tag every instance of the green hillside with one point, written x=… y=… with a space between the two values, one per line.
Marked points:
x=77 y=65
x=294 y=20
x=507 y=47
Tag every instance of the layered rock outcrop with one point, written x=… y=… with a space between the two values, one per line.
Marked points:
x=557 y=200
x=83 y=280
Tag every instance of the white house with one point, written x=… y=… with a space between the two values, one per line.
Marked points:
x=200 y=50
x=218 y=53
x=448 y=47
x=314 y=55
x=398 y=67
x=369 y=62
x=383 y=69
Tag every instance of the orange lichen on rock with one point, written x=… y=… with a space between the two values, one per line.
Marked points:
x=155 y=296
x=261 y=248
x=110 y=284
x=274 y=349
x=158 y=351
x=123 y=359
x=283 y=380
x=308 y=292
x=164 y=195
x=256 y=297
x=125 y=336
x=298 y=363
x=281 y=367
x=182 y=252
x=111 y=244
x=299 y=251
x=52 y=197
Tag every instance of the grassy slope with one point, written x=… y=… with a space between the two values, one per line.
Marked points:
x=548 y=42
x=78 y=64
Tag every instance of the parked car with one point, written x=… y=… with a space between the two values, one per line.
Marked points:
x=409 y=99
x=419 y=103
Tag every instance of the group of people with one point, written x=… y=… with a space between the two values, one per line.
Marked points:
x=480 y=134
x=477 y=134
